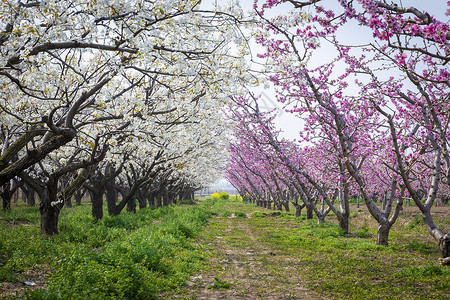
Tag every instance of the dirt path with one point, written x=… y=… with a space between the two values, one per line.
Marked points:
x=240 y=256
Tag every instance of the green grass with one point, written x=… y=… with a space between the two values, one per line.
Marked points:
x=130 y=256
x=154 y=252
x=294 y=251
x=219 y=284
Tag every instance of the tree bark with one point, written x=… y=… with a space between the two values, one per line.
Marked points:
x=158 y=199
x=298 y=210
x=30 y=194
x=79 y=196
x=112 y=196
x=383 y=233
x=6 y=196
x=444 y=245
x=50 y=208
x=286 y=206
x=131 y=205
x=309 y=212
x=49 y=218
x=151 y=199
x=97 y=203
x=343 y=223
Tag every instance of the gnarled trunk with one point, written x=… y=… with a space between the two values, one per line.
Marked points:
x=383 y=233
x=6 y=196
x=97 y=203
x=131 y=205
x=298 y=210
x=50 y=208
x=444 y=245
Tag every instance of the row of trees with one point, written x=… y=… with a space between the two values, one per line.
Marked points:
x=375 y=116
x=113 y=97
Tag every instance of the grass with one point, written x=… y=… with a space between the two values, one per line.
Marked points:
x=130 y=256
x=232 y=248
x=280 y=256
x=219 y=284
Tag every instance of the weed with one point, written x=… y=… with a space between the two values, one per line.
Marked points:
x=364 y=231
x=226 y=214
x=189 y=201
x=258 y=214
x=420 y=247
x=219 y=284
x=428 y=271
x=240 y=214
x=416 y=222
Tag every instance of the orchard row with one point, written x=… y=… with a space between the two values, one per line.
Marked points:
x=375 y=114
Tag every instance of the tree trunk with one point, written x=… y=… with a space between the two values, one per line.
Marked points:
x=97 y=204
x=383 y=233
x=6 y=196
x=158 y=199
x=320 y=219
x=444 y=245
x=50 y=208
x=298 y=210
x=49 y=218
x=286 y=206
x=165 y=197
x=112 y=196
x=69 y=202
x=309 y=212
x=151 y=199
x=140 y=195
x=131 y=205
x=442 y=239
x=343 y=223
x=78 y=196
x=31 y=197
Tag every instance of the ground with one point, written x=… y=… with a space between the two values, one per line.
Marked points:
x=241 y=254
x=255 y=253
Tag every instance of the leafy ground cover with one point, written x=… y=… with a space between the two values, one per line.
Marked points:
x=218 y=249
x=131 y=256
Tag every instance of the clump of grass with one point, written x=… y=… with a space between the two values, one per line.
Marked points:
x=428 y=271
x=189 y=201
x=219 y=284
x=416 y=222
x=240 y=214
x=258 y=214
x=364 y=231
x=226 y=214
x=420 y=247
